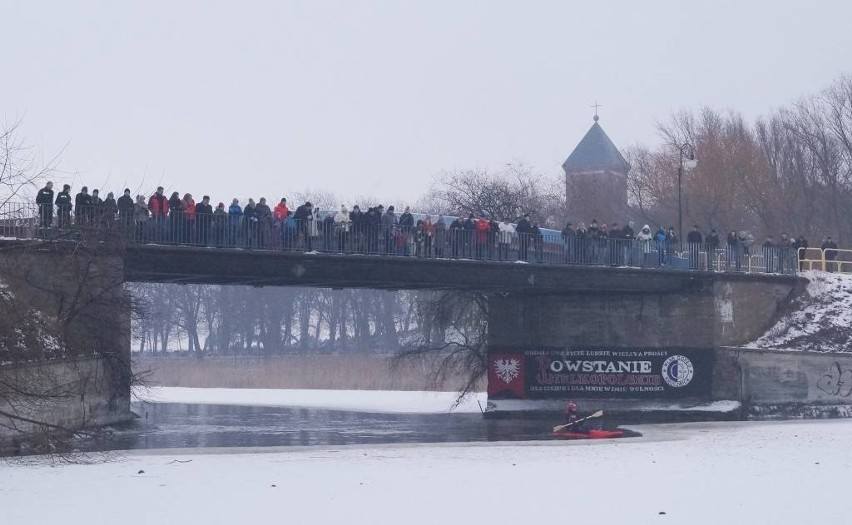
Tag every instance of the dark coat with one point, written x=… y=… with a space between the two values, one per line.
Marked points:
x=45 y=198
x=406 y=220
x=694 y=237
x=63 y=201
x=263 y=213
x=81 y=201
x=125 y=206
x=202 y=209
x=176 y=205
x=713 y=240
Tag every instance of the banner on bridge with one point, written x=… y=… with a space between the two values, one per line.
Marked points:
x=640 y=373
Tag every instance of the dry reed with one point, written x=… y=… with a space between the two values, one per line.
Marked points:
x=313 y=372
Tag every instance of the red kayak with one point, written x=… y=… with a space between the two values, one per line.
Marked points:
x=591 y=434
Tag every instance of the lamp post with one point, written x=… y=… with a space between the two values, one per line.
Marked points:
x=686 y=158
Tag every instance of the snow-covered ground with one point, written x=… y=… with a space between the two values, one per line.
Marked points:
x=820 y=321
x=355 y=400
x=708 y=473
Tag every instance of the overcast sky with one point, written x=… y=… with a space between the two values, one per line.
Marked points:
x=251 y=98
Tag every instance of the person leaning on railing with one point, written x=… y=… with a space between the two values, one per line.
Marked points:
x=204 y=216
x=279 y=223
x=712 y=241
x=693 y=240
x=505 y=237
x=645 y=238
x=734 y=251
x=220 y=219
x=158 y=205
x=249 y=223
x=264 y=223
x=140 y=215
x=63 y=207
x=304 y=216
x=44 y=201
x=829 y=248
x=94 y=211
x=108 y=211
x=235 y=215
x=440 y=241
x=82 y=205
x=125 y=213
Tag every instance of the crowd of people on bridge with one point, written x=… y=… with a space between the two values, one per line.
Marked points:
x=702 y=250
x=376 y=230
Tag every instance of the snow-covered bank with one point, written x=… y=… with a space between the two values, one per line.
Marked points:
x=774 y=473
x=353 y=400
x=820 y=321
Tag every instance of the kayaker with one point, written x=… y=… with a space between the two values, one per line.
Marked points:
x=571 y=418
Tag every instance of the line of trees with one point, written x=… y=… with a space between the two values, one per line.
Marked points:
x=277 y=321
x=790 y=171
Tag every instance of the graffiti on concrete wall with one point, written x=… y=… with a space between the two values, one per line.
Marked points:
x=837 y=381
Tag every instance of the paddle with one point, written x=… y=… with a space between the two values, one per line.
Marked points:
x=559 y=428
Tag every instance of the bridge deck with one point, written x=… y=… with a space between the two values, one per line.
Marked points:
x=182 y=264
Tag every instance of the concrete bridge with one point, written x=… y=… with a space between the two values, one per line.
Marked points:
x=538 y=314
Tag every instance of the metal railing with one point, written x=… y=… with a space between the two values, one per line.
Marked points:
x=828 y=260
x=384 y=236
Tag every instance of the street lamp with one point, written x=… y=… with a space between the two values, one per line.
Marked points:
x=687 y=158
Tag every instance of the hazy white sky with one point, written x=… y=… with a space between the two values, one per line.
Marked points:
x=256 y=98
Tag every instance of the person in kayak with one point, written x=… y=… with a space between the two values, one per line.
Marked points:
x=571 y=418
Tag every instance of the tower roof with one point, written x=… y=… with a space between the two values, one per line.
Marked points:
x=595 y=152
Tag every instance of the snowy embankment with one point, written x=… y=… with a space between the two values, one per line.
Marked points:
x=353 y=400
x=820 y=320
x=774 y=473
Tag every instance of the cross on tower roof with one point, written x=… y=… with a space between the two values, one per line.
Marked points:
x=596 y=106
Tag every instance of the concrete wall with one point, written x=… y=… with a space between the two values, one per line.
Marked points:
x=80 y=288
x=79 y=292
x=707 y=311
x=82 y=392
x=746 y=384
x=778 y=383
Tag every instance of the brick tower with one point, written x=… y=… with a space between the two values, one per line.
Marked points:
x=596 y=179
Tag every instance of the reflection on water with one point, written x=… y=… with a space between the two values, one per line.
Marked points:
x=167 y=425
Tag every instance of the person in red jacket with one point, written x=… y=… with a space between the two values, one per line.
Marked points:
x=482 y=229
x=279 y=218
x=158 y=206
x=188 y=233
x=571 y=417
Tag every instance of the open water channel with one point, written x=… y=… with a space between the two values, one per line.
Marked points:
x=177 y=425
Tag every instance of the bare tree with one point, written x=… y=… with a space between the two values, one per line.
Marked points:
x=455 y=340
x=21 y=167
x=507 y=194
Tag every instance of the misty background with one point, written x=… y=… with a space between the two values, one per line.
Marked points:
x=378 y=97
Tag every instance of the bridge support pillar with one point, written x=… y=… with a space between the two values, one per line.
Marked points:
x=82 y=365
x=629 y=350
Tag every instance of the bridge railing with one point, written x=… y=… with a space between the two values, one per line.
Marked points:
x=18 y=220
x=828 y=260
x=324 y=234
